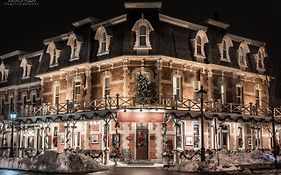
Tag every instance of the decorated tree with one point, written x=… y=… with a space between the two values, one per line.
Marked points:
x=144 y=91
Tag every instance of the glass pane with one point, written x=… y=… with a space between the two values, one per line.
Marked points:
x=142 y=40
x=142 y=30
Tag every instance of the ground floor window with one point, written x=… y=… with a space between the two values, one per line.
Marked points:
x=240 y=138
x=196 y=136
x=223 y=137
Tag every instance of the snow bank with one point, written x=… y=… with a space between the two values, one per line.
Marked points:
x=51 y=161
x=224 y=161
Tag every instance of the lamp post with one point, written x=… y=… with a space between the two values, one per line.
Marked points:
x=13 y=116
x=201 y=94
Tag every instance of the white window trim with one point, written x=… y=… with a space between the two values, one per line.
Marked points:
x=75 y=52
x=243 y=136
x=176 y=77
x=243 y=47
x=4 y=73
x=199 y=128
x=54 y=54
x=75 y=95
x=26 y=68
x=182 y=136
x=260 y=96
x=56 y=84
x=107 y=74
x=229 y=44
x=260 y=57
x=204 y=40
x=136 y=29
x=98 y=36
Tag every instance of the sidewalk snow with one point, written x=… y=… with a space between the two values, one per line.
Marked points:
x=224 y=161
x=51 y=161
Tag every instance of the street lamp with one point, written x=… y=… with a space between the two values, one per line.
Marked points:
x=13 y=116
x=201 y=94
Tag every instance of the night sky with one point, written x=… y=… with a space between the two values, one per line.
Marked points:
x=25 y=27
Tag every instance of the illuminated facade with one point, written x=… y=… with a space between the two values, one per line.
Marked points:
x=79 y=92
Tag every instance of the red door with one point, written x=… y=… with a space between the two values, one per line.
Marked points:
x=142 y=141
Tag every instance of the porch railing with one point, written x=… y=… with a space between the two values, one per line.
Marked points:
x=169 y=103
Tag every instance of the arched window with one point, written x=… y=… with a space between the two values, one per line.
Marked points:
x=224 y=48
x=199 y=42
x=4 y=72
x=242 y=54
x=54 y=54
x=142 y=28
x=260 y=59
x=104 y=41
x=75 y=42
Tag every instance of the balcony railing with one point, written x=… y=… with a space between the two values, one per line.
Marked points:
x=168 y=103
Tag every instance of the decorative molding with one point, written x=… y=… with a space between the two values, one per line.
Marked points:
x=8 y=55
x=142 y=5
x=84 y=21
x=181 y=23
x=102 y=37
x=228 y=43
x=61 y=37
x=112 y=21
x=217 y=23
x=249 y=41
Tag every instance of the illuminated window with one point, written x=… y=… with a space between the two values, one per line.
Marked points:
x=222 y=92
x=179 y=135
x=242 y=54
x=106 y=86
x=224 y=48
x=177 y=87
x=198 y=45
x=26 y=66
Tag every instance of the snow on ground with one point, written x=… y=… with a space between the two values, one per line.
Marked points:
x=51 y=161
x=224 y=161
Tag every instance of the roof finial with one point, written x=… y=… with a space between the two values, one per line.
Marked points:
x=142 y=16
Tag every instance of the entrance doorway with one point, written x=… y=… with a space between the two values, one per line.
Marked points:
x=142 y=141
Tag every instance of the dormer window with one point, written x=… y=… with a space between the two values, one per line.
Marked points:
x=199 y=44
x=75 y=43
x=142 y=28
x=4 y=72
x=26 y=68
x=260 y=59
x=104 y=41
x=224 y=48
x=54 y=54
x=242 y=55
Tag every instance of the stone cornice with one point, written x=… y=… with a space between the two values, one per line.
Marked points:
x=16 y=52
x=15 y=87
x=249 y=41
x=112 y=21
x=142 y=5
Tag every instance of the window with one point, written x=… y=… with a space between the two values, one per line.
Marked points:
x=104 y=41
x=77 y=91
x=2 y=106
x=260 y=59
x=222 y=92
x=258 y=97
x=54 y=54
x=177 y=87
x=179 y=135
x=106 y=87
x=223 y=137
x=11 y=104
x=239 y=95
x=24 y=100
x=224 y=48
x=142 y=28
x=55 y=137
x=240 y=138
x=199 y=45
x=242 y=54
x=57 y=95
x=75 y=43
x=4 y=72
x=196 y=139
x=255 y=137
x=33 y=99
x=26 y=66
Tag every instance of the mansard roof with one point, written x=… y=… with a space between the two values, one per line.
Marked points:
x=12 y=61
x=171 y=37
